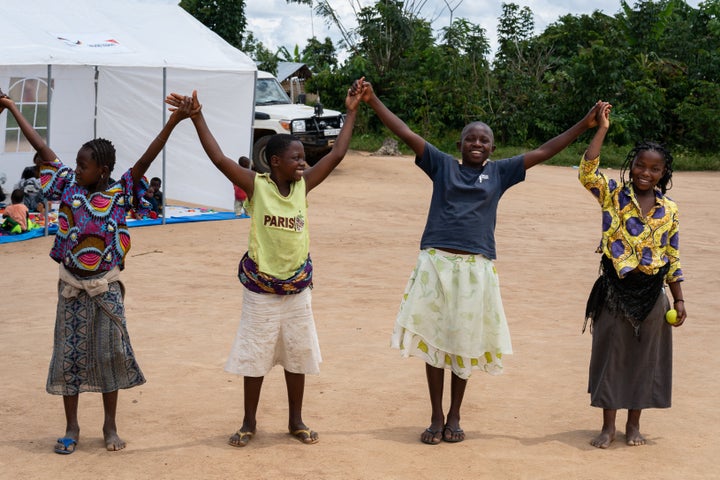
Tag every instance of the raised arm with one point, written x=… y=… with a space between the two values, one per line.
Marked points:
x=552 y=147
x=181 y=112
x=603 y=122
x=392 y=121
x=320 y=171
x=240 y=176
x=45 y=152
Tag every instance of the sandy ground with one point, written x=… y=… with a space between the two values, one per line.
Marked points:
x=369 y=405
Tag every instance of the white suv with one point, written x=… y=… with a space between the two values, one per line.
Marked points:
x=275 y=113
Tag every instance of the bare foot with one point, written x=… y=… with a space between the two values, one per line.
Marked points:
x=633 y=436
x=604 y=439
x=112 y=441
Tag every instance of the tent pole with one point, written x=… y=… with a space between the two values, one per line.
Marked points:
x=49 y=102
x=164 y=113
x=97 y=74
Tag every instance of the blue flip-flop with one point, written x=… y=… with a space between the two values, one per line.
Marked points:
x=65 y=445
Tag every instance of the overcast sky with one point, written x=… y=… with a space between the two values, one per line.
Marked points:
x=276 y=23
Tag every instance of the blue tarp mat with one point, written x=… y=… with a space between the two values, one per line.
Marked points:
x=203 y=217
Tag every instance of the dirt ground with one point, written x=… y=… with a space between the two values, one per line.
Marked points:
x=368 y=404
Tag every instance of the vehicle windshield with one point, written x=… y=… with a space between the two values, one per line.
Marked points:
x=269 y=92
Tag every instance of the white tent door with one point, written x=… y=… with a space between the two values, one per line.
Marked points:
x=130 y=104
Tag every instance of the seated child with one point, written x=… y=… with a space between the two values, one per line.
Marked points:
x=16 y=214
x=30 y=184
x=154 y=195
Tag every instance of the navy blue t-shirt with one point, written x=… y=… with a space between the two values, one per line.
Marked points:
x=463 y=208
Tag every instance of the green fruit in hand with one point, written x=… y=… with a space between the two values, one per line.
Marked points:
x=671 y=316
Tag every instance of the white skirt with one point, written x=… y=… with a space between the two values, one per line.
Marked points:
x=275 y=330
x=452 y=316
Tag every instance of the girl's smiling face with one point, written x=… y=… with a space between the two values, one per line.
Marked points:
x=291 y=163
x=476 y=144
x=647 y=169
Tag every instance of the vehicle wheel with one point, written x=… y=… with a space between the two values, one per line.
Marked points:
x=260 y=161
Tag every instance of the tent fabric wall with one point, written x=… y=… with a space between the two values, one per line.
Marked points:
x=162 y=47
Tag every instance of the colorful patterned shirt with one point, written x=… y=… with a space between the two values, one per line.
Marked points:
x=629 y=238
x=92 y=231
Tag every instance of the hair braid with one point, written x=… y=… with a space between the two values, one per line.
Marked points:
x=665 y=183
x=103 y=152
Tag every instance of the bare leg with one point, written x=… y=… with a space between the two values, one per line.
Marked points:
x=632 y=429
x=607 y=434
x=452 y=431
x=295 y=390
x=112 y=441
x=251 y=387
x=435 y=380
x=72 y=427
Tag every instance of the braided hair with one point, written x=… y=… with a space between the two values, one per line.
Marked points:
x=102 y=151
x=665 y=183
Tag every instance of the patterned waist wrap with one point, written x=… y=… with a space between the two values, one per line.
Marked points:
x=632 y=297
x=259 y=282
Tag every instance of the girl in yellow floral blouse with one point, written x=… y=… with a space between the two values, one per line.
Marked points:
x=631 y=359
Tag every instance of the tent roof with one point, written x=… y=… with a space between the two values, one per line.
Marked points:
x=139 y=33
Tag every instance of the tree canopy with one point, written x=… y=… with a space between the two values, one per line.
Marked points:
x=657 y=62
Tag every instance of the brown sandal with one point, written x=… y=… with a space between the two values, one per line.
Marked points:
x=243 y=438
x=305 y=435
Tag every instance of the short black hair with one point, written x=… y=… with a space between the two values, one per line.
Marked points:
x=17 y=196
x=278 y=143
x=28 y=172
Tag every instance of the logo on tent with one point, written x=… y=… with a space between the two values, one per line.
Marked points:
x=92 y=42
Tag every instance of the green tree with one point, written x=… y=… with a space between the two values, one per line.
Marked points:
x=320 y=56
x=518 y=67
x=588 y=56
x=698 y=114
x=385 y=33
x=224 y=17
x=265 y=59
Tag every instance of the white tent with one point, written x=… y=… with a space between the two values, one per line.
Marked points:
x=110 y=64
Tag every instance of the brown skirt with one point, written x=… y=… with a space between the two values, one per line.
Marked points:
x=627 y=372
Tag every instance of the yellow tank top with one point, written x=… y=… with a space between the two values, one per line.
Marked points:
x=279 y=239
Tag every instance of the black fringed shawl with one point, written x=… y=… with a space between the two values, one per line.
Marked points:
x=632 y=297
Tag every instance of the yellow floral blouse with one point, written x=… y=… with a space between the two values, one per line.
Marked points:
x=630 y=239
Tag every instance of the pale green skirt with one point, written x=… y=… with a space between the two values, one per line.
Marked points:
x=451 y=314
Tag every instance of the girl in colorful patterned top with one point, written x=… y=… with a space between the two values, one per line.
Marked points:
x=631 y=359
x=92 y=350
x=451 y=315
x=276 y=324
